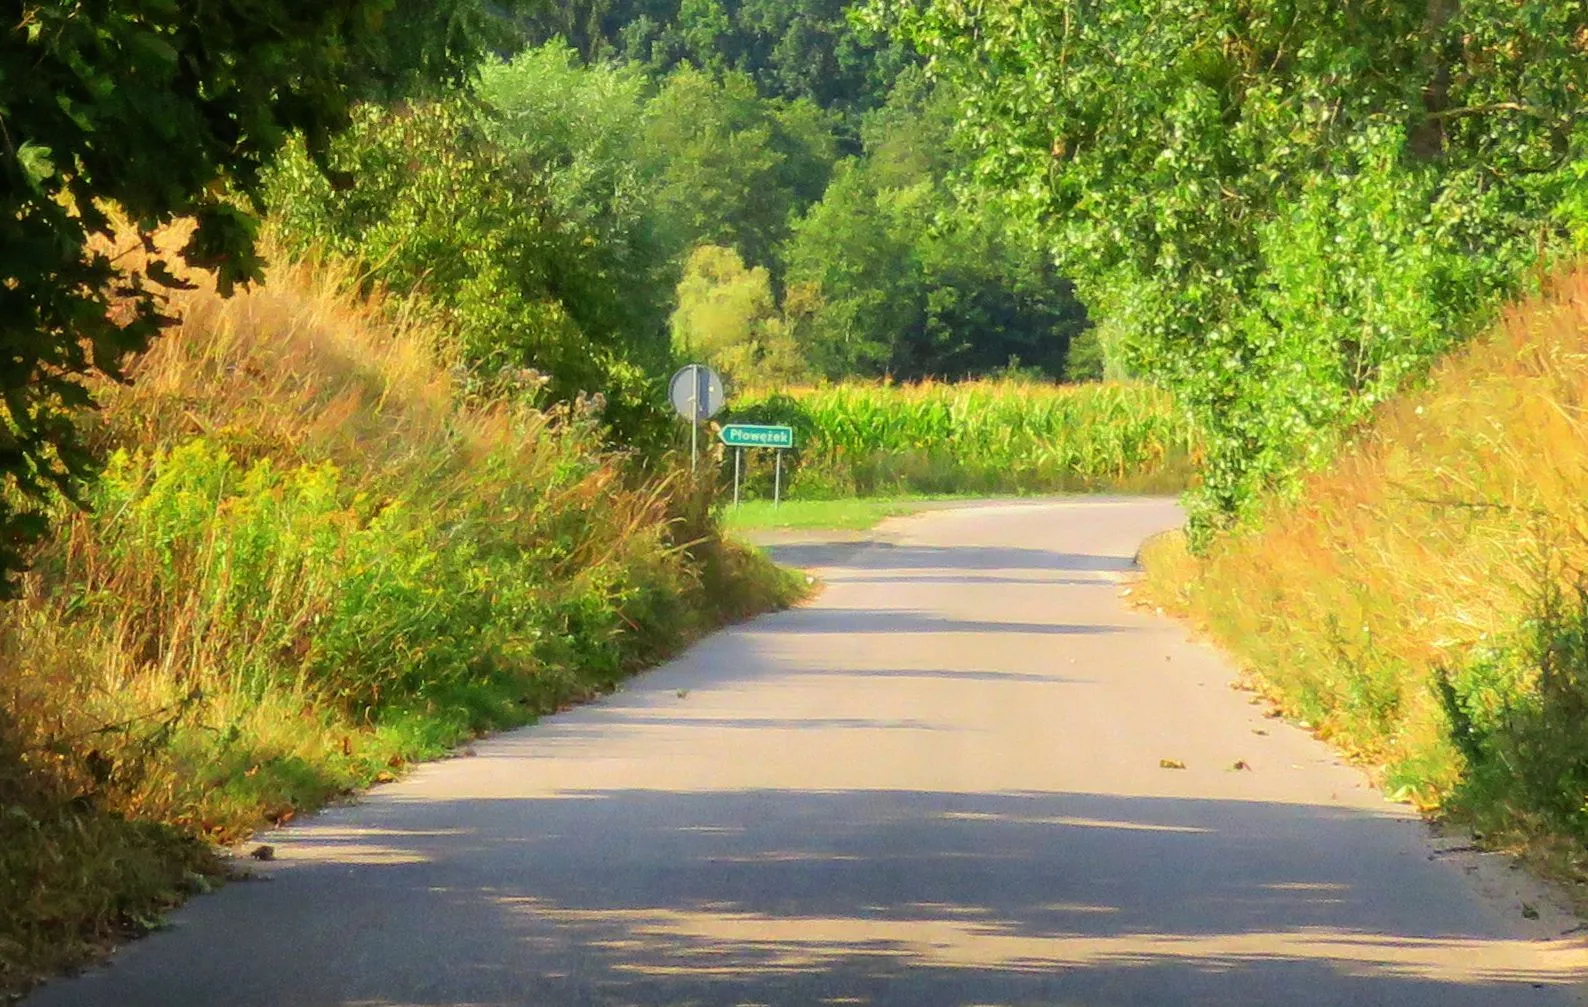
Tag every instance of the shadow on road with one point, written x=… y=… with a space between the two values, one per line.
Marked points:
x=909 y=898
x=784 y=862
x=956 y=559
x=893 y=621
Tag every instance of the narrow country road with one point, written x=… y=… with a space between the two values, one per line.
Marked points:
x=938 y=784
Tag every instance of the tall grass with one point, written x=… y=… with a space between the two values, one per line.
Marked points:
x=310 y=559
x=1423 y=602
x=1005 y=436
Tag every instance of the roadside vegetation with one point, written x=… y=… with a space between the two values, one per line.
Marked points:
x=311 y=558
x=336 y=430
x=1296 y=219
x=1424 y=604
x=850 y=514
x=990 y=437
x=1280 y=212
x=417 y=478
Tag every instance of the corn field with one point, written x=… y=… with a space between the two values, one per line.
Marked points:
x=975 y=437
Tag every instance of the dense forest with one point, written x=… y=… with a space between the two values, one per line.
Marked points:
x=766 y=187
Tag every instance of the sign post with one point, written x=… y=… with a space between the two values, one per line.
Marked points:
x=696 y=393
x=750 y=435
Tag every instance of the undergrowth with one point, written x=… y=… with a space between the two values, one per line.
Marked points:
x=1424 y=602
x=312 y=558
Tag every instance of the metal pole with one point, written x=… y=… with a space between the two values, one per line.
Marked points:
x=777 y=480
x=694 y=416
x=737 y=454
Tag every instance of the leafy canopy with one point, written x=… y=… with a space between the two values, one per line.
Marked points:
x=733 y=168
x=1282 y=209
x=148 y=110
x=728 y=316
x=790 y=49
x=911 y=281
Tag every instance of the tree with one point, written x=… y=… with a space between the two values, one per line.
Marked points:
x=914 y=283
x=790 y=49
x=475 y=231
x=424 y=47
x=702 y=26
x=144 y=111
x=728 y=316
x=734 y=168
x=869 y=281
x=575 y=129
x=1282 y=210
x=812 y=49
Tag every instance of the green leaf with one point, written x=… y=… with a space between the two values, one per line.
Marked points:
x=37 y=165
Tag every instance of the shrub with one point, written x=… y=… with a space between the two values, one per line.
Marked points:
x=1422 y=602
x=444 y=216
x=313 y=556
x=1279 y=211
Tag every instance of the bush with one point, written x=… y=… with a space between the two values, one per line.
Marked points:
x=313 y=556
x=442 y=214
x=1422 y=603
x=1279 y=212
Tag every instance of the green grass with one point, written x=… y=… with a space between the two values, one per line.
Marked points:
x=853 y=514
x=312 y=559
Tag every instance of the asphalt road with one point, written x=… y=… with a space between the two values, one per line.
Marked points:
x=938 y=784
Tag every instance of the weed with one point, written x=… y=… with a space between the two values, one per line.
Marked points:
x=310 y=560
x=1423 y=600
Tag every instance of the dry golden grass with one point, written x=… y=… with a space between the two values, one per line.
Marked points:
x=313 y=557
x=1437 y=547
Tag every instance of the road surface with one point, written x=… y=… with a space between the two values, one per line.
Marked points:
x=938 y=784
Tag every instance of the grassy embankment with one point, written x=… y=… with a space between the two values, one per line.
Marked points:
x=850 y=514
x=1424 y=603
x=976 y=438
x=311 y=560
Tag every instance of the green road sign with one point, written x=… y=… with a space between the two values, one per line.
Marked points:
x=748 y=435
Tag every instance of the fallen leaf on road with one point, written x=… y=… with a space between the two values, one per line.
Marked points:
x=1259 y=730
x=1170 y=764
x=1242 y=764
